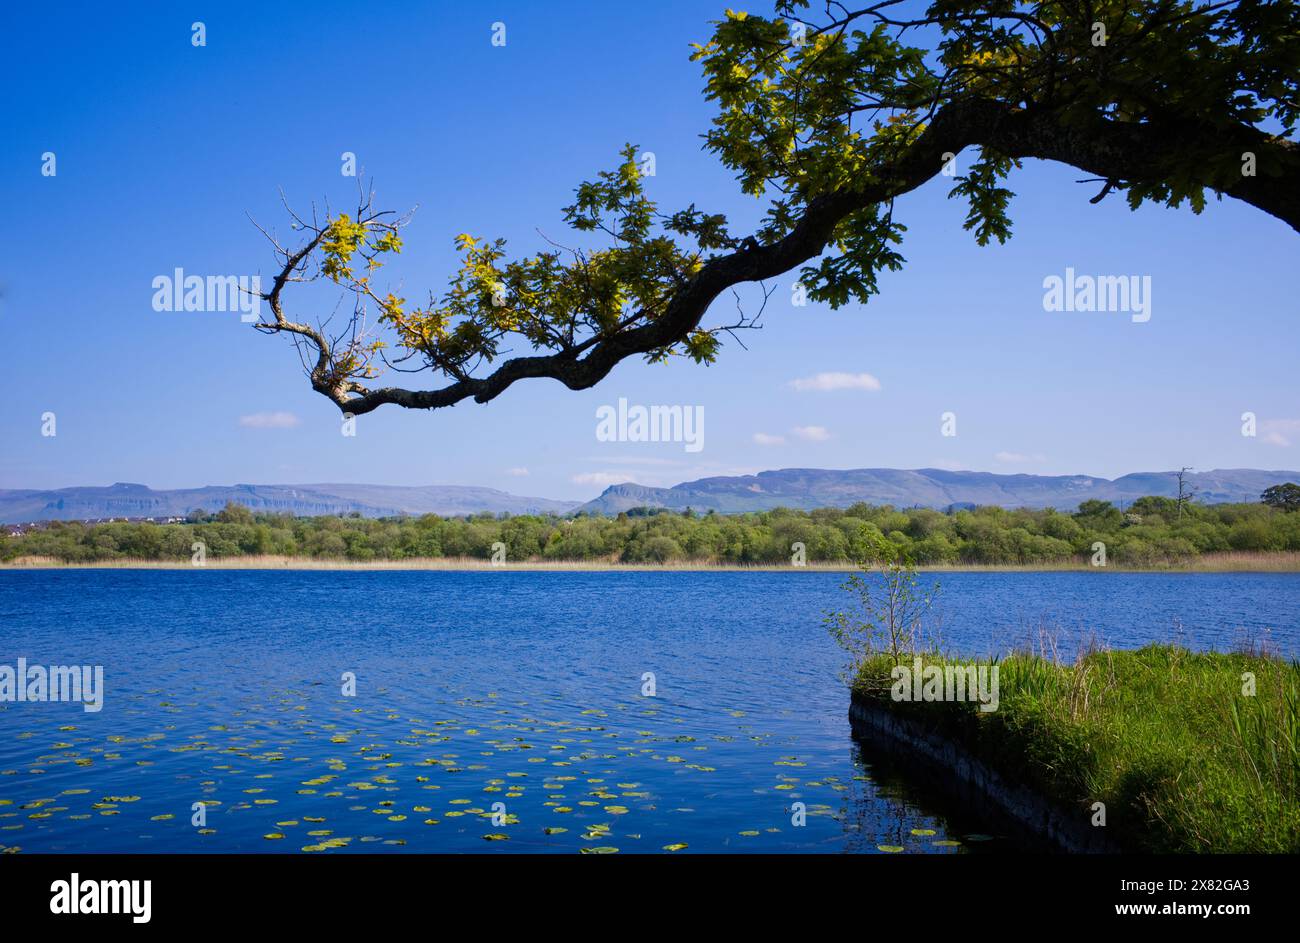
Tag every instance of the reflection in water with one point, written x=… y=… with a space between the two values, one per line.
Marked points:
x=901 y=807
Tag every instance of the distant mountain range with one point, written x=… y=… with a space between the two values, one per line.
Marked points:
x=129 y=500
x=804 y=488
x=808 y=488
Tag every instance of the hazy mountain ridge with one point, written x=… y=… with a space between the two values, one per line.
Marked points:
x=802 y=488
x=808 y=488
x=133 y=500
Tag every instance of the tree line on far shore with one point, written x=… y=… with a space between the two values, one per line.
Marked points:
x=1152 y=530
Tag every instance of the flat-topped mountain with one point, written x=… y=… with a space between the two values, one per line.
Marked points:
x=807 y=488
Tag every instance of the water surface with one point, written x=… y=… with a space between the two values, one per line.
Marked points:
x=521 y=688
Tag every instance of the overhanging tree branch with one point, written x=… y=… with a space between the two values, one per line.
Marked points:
x=788 y=113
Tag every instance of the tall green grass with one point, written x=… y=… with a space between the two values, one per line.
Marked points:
x=1183 y=758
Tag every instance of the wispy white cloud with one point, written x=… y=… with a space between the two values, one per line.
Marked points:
x=603 y=479
x=1282 y=432
x=632 y=461
x=832 y=381
x=762 y=438
x=811 y=433
x=519 y=472
x=269 y=421
x=1018 y=458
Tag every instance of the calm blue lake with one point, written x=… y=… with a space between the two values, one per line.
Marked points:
x=525 y=689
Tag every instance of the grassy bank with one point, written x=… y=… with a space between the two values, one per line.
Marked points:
x=1183 y=760
x=1209 y=563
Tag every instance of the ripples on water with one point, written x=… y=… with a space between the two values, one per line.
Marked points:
x=223 y=687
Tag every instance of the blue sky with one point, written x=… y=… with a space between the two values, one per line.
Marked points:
x=162 y=148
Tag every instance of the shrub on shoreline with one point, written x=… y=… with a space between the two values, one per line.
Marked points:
x=1151 y=533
